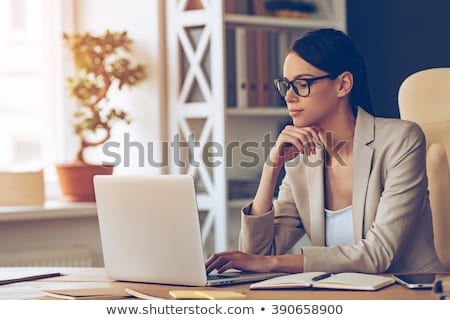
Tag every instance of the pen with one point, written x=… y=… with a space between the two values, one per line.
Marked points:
x=322 y=276
x=30 y=278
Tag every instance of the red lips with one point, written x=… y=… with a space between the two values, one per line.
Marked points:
x=294 y=112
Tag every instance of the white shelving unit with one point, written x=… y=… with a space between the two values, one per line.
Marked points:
x=257 y=112
x=241 y=20
x=197 y=101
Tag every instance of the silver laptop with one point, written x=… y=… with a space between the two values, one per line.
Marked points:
x=150 y=232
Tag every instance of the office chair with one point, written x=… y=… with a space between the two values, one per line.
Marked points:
x=424 y=98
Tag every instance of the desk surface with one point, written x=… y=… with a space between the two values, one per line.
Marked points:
x=77 y=278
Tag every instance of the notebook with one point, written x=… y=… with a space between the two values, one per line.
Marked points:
x=150 y=231
x=88 y=294
x=345 y=280
x=187 y=294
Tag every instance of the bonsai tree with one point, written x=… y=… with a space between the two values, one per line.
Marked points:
x=101 y=62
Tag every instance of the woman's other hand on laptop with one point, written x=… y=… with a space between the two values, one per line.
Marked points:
x=235 y=259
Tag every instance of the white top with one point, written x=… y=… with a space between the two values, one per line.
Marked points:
x=339 y=227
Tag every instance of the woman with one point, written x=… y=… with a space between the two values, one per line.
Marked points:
x=355 y=184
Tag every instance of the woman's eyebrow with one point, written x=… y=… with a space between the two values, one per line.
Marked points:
x=302 y=75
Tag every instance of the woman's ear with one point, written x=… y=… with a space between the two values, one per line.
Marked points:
x=345 y=81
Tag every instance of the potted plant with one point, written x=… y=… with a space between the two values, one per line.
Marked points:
x=101 y=63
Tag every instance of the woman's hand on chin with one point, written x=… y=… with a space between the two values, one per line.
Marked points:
x=292 y=141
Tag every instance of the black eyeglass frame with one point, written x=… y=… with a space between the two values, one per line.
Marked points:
x=309 y=81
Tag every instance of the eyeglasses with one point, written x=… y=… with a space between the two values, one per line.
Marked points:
x=301 y=87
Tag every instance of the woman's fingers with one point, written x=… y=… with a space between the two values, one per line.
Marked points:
x=217 y=260
x=235 y=259
x=226 y=266
x=289 y=141
x=304 y=140
x=309 y=136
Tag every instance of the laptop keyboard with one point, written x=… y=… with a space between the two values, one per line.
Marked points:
x=221 y=276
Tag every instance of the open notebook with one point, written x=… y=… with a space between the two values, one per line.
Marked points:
x=348 y=281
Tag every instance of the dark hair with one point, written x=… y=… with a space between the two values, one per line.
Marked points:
x=332 y=51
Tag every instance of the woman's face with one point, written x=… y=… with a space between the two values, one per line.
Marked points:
x=322 y=100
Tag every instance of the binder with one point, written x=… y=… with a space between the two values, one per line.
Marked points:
x=263 y=66
x=241 y=68
x=253 y=66
x=230 y=52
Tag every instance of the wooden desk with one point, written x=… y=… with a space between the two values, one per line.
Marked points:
x=75 y=278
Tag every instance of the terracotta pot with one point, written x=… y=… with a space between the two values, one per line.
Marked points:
x=76 y=180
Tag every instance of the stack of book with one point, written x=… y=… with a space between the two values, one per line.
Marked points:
x=282 y=8
x=250 y=7
x=250 y=59
x=253 y=60
x=441 y=288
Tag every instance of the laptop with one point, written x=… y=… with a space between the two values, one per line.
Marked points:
x=150 y=232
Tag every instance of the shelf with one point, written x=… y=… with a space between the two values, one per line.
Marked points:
x=241 y=20
x=258 y=112
x=199 y=94
x=51 y=210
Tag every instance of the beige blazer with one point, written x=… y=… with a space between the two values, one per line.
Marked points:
x=391 y=212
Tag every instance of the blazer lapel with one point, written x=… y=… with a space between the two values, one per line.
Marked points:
x=314 y=180
x=362 y=165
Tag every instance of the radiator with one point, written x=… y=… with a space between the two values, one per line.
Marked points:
x=67 y=257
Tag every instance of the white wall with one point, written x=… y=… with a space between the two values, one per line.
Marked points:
x=142 y=19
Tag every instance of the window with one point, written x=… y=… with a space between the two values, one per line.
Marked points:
x=28 y=46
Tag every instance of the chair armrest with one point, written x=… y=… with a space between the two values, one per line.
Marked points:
x=439 y=187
